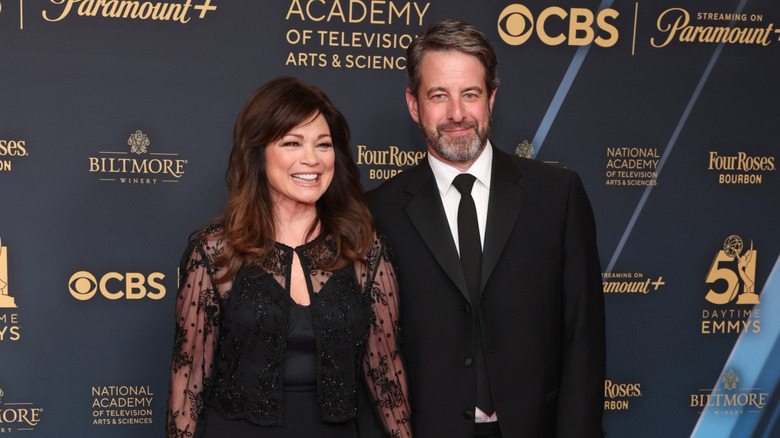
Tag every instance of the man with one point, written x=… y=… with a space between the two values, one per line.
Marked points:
x=504 y=338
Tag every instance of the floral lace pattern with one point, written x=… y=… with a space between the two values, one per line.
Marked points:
x=230 y=339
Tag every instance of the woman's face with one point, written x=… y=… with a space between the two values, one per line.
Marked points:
x=299 y=166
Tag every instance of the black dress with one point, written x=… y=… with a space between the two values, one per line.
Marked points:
x=300 y=403
x=249 y=361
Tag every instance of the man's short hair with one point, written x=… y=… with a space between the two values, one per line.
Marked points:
x=446 y=35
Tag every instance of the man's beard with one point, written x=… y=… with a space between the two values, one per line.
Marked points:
x=459 y=149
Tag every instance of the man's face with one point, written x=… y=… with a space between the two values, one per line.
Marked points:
x=452 y=106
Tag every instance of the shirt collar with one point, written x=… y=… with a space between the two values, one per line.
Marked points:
x=444 y=173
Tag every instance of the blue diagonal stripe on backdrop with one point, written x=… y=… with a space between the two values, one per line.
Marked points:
x=754 y=359
x=754 y=355
x=670 y=146
x=557 y=101
x=563 y=90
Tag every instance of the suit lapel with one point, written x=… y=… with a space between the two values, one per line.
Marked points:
x=504 y=205
x=427 y=215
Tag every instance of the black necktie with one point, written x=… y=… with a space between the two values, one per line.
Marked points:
x=468 y=234
x=471 y=260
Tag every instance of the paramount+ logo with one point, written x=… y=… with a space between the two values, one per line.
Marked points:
x=555 y=26
x=115 y=286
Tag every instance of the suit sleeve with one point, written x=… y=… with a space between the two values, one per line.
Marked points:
x=581 y=399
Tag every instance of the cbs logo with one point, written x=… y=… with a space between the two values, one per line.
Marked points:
x=113 y=285
x=516 y=24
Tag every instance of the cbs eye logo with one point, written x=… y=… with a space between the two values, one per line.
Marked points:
x=516 y=25
x=113 y=285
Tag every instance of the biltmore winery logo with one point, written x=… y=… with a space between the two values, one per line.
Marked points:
x=731 y=397
x=138 y=164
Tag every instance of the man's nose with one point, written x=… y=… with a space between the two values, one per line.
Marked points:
x=455 y=110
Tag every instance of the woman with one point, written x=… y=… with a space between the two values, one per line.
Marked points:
x=287 y=306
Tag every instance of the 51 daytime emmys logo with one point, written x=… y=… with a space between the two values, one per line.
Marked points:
x=555 y=26
x=114 y=285
x=734 y=267
x=732 y=280
x=10 y=327
x=6 y=300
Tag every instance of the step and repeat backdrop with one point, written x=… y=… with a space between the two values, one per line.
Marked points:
x=116 y=119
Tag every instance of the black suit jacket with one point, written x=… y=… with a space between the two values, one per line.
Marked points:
x=541 y=305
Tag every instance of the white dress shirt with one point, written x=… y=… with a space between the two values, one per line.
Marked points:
x=450 y=198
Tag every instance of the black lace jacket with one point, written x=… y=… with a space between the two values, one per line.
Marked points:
x=230 y=338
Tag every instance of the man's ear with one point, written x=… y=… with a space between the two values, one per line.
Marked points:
x=411 y=102
x=492 y=99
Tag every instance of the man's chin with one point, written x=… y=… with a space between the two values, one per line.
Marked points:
x=460 y=143
x=458 y=153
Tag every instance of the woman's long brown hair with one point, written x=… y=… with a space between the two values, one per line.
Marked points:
x=247 y=225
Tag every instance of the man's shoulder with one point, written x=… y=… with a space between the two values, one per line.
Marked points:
x=400 y=182
x=530 y=168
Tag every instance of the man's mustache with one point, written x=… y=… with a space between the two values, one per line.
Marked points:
x=457 y=125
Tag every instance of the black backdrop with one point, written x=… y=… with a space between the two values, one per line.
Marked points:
x=115 y=127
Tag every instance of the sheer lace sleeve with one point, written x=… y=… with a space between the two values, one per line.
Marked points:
x=197 y=319
x=383 y=365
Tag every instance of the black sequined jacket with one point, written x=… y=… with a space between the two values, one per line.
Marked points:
x=230 y=338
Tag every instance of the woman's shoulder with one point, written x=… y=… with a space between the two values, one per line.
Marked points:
x=380 y=249
x=208 y=232
x=209 y=235
x=381 y=242
x=206 y=243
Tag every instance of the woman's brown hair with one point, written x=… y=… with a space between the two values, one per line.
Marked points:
x=247 y=225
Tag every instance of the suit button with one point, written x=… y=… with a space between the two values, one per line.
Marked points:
x=467 y=308
x=469 y=415
x=467 y=362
